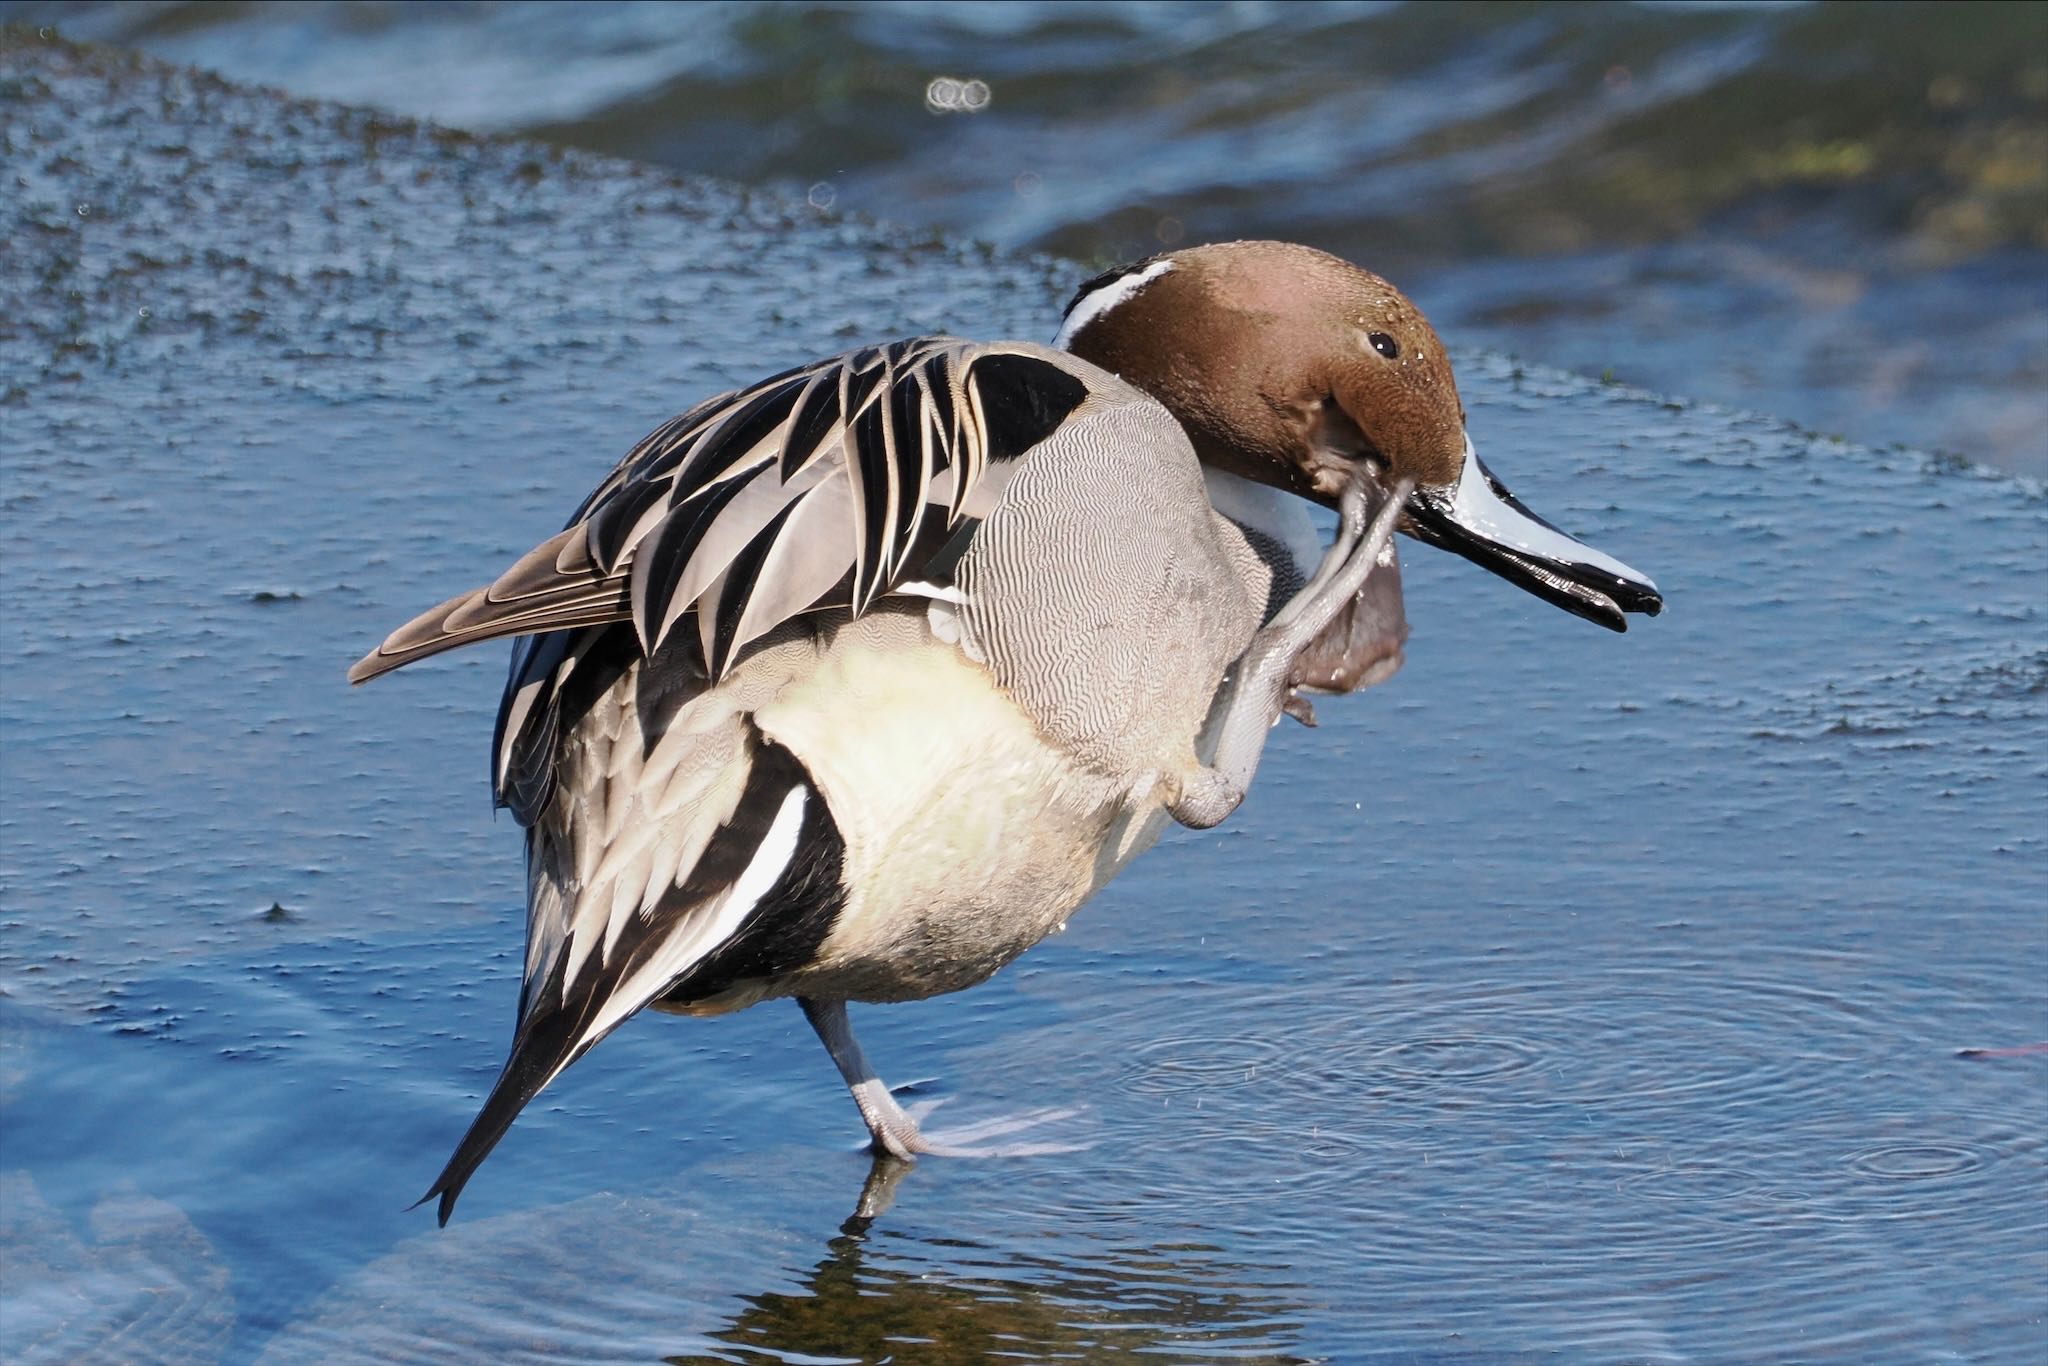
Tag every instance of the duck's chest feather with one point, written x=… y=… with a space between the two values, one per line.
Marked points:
x=968 y=837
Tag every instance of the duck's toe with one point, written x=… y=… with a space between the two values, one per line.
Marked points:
x=974 y=1139
x=903 y=1135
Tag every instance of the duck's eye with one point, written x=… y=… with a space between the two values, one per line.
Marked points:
x=1385 y=345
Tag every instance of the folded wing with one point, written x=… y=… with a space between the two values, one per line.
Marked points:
x=734 y=874
x=816 y=488
x=823 y=487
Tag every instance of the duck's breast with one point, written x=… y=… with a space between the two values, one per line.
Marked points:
x=969 y=836
x=994 y=760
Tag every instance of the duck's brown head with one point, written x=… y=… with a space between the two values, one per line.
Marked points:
x=1291 y=367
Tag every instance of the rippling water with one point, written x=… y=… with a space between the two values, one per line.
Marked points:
x=1612 y=999
x=1837 y=214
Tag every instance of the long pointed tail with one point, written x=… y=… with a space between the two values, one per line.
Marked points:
x=756 y=903
x=542 y=1048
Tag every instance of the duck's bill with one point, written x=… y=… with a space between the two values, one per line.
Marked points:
x=1478 y=518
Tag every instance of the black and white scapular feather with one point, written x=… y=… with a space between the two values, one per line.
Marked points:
x=750 y=509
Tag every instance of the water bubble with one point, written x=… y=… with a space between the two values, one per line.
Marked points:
x=142 y=312
x=1028 y=184
x=1948 y=92
x=951 y=95
x=821 y=195
x=85 y=210
x=1915 y=1161
x=1170 y=231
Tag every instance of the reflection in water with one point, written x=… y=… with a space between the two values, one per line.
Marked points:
x=704 y=1267
x=883 y=1295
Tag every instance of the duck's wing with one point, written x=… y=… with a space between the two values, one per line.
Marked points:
x=825 y=486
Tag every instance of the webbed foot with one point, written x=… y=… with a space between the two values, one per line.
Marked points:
x=909 y=1138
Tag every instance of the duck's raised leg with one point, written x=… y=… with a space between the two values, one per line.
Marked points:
x=1258 y=684
x=895 y=1130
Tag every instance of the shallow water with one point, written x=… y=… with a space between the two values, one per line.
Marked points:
x=1837 y=214
x=1592 y=997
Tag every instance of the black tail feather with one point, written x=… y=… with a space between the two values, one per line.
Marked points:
x=545 y=1044
x=780 y=932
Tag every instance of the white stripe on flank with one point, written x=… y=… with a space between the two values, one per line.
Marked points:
x=918 y=588
x=711 y=926
x=1476 y=508
x=1097 y=302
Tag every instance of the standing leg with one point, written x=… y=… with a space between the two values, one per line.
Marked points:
x=895 y=1132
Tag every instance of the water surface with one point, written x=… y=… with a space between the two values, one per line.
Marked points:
x=1837 y=214
x=1572 y=996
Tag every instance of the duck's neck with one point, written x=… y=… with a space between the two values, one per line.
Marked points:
x=1279 y=517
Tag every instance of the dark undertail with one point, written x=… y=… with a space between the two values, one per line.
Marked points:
x=780 y=934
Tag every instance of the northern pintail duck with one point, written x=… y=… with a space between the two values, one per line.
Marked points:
x=852 y=685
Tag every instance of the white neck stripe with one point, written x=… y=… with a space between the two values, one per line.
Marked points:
x=1100 y=300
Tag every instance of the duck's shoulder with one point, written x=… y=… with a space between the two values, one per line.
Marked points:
x=1048 y=390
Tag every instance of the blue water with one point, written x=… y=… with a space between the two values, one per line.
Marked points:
x=1836 y=214
x=1658 y=997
